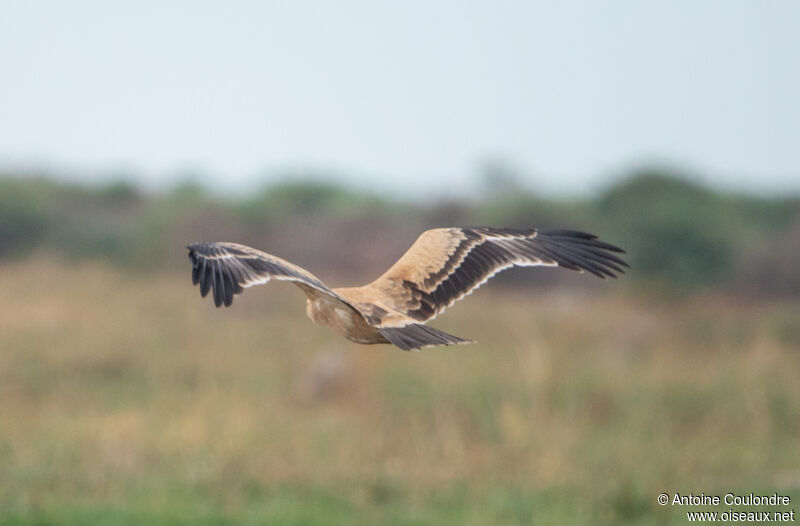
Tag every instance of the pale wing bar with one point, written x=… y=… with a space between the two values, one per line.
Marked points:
x=227 y=269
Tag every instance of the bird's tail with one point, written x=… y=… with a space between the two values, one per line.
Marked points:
x=415 y=336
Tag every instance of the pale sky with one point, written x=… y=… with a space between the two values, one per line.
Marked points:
x=408 y=96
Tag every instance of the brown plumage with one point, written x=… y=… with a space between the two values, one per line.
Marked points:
x=442 y=266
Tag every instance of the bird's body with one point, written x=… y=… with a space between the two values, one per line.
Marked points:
x=441 y=267
x=341 y=317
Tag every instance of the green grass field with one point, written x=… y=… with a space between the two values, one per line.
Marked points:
x=126 y=399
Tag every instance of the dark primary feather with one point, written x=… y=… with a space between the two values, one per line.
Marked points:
x=225 y=269
x=580 y=251
x=214 y=274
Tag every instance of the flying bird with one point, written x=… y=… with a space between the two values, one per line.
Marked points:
x=442 y=266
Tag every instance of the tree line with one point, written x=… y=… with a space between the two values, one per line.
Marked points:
x=680 y=235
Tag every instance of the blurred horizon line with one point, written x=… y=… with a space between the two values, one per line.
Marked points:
x=492 y=174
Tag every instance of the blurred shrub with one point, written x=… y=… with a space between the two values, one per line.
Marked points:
x=675 y=230
x=683 y=233
x=306 y=198
x=25 y=214
x=771 y=267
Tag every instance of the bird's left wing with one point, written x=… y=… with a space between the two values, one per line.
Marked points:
x=229 y=268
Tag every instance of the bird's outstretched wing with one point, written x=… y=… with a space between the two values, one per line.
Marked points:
x=445 y=264
x=229 y=268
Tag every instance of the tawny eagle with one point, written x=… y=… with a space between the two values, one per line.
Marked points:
x=442 y=266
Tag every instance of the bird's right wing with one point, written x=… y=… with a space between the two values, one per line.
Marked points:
x=445 y=264
x=229 y=268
